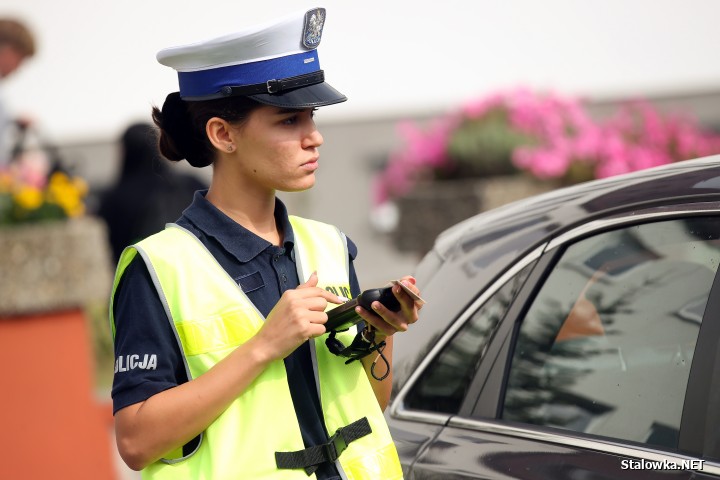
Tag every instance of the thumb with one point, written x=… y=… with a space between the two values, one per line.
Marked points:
x=310 y=282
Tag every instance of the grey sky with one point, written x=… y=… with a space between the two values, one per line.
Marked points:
x=96 y=69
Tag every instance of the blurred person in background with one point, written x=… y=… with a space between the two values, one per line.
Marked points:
x=221 y=370
x=17 y=44
x=148 y=193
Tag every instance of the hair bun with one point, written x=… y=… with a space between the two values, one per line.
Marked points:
x=176 y=132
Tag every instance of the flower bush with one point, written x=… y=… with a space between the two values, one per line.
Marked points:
x=29 y=194
x=551 y=137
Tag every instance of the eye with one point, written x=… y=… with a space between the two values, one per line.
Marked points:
x=292 y=120
x=295 y=117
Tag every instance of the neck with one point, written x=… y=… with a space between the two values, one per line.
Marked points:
x=252 y=210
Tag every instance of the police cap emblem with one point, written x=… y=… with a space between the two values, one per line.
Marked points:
x=314 y=22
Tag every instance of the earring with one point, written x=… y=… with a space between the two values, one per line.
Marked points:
x=230 y=148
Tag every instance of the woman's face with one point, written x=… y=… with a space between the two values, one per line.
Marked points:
x=277 y=148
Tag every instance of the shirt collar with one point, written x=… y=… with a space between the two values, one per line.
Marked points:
x=233 y=237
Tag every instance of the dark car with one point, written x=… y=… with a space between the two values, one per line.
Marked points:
x=572 y=335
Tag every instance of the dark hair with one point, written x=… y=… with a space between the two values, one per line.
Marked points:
x=18 y=36
x=140 y=155
x=182 y=125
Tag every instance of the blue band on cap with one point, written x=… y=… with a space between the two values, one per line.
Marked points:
x=209 y=82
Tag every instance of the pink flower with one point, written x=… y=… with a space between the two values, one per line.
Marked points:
x=31 y=169
x=613 y=166
x=553 y=136
x=541 y=163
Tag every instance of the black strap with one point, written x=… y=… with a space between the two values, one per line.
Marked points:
x=362 y=345
x=311 y=457
x=275 y=86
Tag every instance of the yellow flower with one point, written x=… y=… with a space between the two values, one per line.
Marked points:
x=67 y=193
x=28 y=198
x=62 y=197
x=81 y=186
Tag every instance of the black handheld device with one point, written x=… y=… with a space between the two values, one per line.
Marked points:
x=343 y=316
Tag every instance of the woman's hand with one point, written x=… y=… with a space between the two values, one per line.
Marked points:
x=297 y=317
x=387 y=322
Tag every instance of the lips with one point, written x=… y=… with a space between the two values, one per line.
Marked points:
x=312 y=164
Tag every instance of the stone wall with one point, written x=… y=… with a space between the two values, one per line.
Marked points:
x=53 y=266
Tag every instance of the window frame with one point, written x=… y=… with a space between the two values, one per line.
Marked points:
x=486 y=393
x=480 y=410
x=398 y=408
x=490 y=384
x=703 y=382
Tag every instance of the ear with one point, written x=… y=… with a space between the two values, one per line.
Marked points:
x=220 y=134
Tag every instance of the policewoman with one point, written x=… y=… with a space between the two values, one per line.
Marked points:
x=222 y=371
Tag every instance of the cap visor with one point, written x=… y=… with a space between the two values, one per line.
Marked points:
x=317 y=95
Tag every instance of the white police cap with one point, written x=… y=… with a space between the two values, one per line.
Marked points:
x=275 y=64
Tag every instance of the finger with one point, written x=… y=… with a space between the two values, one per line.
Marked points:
x=330 y=297
x=409 y=282
x=408 y=305
x=409 y=287
x=316 y=304
x=312 y=281
x=396 y=321
x=315 y=293
x=319 y=318
x=376 y=321
x=416 y=304
x=335 y=298
x=408 y=312
x=316 y=329
x=310 y=288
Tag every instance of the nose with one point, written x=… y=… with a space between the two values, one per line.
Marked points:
x=314 y=138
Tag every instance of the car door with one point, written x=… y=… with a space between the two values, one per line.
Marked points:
x=600 y=363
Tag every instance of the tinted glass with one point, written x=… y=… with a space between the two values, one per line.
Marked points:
x=443 y=385
x=607 y=345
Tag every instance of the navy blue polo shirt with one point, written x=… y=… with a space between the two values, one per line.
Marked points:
x=263 y=271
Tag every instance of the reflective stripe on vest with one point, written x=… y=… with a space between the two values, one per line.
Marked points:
x=212 y=316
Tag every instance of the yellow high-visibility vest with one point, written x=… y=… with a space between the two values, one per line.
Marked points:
x=212 y=316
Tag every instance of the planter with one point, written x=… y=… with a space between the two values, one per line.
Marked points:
x=499 y=191
x=433 y=207
x=53 y=425
x=53 y=266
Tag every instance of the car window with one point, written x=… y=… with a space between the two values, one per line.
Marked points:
x=607 y=344
x=443 y=385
